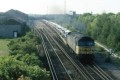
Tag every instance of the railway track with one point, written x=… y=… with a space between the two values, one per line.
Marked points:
x=94 y=71
x=53 y=72
x=58 y=70
x=75 y=75
x=103 y=74
x=78 y=71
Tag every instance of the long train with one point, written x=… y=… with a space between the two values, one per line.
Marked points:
x=80 y=44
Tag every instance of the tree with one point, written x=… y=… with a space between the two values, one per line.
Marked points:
x=23 y=62
x=29 y=59
x=12 y=69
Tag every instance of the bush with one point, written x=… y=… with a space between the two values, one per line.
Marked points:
x=23 y=62
x=26 y=44
x=12 y=69
x=29 y=59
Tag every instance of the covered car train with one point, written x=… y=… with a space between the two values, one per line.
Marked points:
x=80 y=44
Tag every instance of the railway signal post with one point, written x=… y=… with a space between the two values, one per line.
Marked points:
x=108 y=59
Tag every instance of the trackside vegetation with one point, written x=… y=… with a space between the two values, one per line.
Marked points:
x=4 y=50
x=105 y=27
x=23 y=62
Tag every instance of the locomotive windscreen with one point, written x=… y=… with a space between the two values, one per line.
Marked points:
x=86 y=41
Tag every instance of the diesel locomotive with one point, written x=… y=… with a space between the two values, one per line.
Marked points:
x=80 y=44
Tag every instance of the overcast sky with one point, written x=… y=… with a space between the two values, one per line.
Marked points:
x=58 y=6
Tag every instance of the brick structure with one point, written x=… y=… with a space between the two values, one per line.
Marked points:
x=8 y=31
x=12 y=24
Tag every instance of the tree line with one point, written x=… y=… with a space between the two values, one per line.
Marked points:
x=104 y=27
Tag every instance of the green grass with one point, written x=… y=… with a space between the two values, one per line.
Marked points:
x=4 y=50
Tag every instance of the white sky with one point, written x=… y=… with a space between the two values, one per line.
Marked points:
x=57 y=6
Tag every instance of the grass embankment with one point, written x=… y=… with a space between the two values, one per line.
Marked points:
x=4 y=50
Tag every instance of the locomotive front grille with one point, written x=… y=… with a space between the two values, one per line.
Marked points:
x=85 y=50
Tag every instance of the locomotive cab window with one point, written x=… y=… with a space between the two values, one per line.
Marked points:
x=86 y=43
